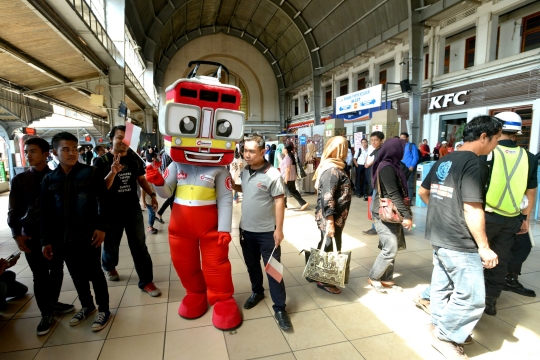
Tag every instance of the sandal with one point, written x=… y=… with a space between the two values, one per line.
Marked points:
x=332 y=289
x=391 y=285
x=377 y=286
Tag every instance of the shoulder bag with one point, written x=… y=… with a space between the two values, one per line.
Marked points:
x=388 y=211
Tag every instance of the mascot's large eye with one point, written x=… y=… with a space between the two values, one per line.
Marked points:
x=228 y=125
x=224 y=128
x=188 y=125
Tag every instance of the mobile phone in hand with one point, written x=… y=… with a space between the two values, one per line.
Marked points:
x=13 y=257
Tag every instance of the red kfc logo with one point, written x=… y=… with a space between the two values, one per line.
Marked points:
x=228 y=183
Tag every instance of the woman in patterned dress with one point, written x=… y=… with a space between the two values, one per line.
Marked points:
x=333 y=197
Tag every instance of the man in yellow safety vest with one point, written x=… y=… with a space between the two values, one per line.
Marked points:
x=509 y=202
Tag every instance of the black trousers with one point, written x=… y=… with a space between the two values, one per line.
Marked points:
x=168 y=202
x=361 y=181
x=291 y=185
x=9 y=287
x=253 y=246
x=48 y=276
x=84 y=264
x=501 y=233
x=520 y=251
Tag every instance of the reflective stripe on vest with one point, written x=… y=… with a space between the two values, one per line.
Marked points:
x=508 y=181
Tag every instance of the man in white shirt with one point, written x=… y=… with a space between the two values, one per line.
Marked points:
x=359 y=159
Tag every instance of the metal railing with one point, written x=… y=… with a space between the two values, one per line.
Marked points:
x=85 y=13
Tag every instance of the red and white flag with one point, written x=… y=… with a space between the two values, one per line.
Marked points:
x=274 y=268
x=131 y=138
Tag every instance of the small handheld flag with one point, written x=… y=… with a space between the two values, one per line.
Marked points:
x=274 y=268
x=133 y=133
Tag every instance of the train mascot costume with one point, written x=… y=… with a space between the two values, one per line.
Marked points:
x=201 y=125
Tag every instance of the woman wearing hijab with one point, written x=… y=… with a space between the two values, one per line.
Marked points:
x=278 y=155
x=333 y=197
x=288 y=172
x=436 y=151
x=311 y=165
x=393 y=185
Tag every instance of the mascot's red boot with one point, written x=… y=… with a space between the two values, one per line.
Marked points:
x=201 y=124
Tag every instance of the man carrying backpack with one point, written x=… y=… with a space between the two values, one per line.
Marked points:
x=410 y=159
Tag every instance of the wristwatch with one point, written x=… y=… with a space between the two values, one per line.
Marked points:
x=153 y=194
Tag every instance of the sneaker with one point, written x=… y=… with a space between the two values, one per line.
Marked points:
x=102 y=319
x=152 y=230
x=371 y=231
x=81 y=316
x=448 y=349
x=45 y=325
x=151 y=289
x=112 y=275
x=160 y=220
x=61 y=308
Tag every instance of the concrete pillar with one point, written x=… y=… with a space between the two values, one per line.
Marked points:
x=483 y=34
x=493 y=27
x=416 y=45
x=115 y=19
x=282 y=108
x=439 y=62
x=148 y=120
x=432 y=55
x=351 y=82
x=398 y=73
x=116 y=94
x=371 y=69
x=317 y=99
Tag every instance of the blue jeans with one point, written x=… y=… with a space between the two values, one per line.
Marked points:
x=151 y=215
x=383 y=268
x=253 y=246
x=131 y=220
x=457 y=293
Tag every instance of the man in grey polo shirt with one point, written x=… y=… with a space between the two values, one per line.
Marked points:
x=261 y=225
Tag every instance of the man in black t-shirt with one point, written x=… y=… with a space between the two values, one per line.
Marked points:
x=125 y=169
x=455 y=193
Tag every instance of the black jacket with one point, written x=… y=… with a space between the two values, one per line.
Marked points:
x=23 y=211
x=73 y=205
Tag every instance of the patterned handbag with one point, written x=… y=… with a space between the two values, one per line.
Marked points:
x=327 y=267
x=388 y=211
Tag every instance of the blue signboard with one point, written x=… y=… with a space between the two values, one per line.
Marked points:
x=303 y=140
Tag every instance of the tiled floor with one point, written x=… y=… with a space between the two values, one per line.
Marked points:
x=358 y=324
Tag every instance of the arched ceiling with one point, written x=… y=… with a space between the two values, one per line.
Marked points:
x=295 y=36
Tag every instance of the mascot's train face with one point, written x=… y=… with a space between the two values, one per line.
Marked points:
x=201 y=122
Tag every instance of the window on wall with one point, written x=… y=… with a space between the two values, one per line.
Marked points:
x=426 y=66
x=446 y=69
x=497 y=45
x=470 y=45
x=343 y=87
x=306 y=104
x=295 y=106
x=382 y=79
x=328 y=96
x=531 y=32
x=361 y=84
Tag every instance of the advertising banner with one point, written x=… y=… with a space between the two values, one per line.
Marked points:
x=359 y=100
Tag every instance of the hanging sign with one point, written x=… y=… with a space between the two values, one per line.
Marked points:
x=359 y=100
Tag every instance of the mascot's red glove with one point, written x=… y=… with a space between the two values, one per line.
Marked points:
x=224 y=238
x=153 y=176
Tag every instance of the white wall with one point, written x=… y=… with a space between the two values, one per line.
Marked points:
x=510 y=36
x=457 y=49
x=240 y=58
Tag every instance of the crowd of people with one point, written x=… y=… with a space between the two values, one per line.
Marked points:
x=478 y=216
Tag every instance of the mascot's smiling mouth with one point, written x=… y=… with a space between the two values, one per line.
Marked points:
x=204 y=158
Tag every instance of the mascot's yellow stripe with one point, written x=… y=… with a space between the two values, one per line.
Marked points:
x=194 y=192
x=192 y=142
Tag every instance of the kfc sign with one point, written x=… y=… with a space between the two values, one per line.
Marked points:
x=436 y=103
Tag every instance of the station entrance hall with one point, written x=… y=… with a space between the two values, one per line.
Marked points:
x=269 y=179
